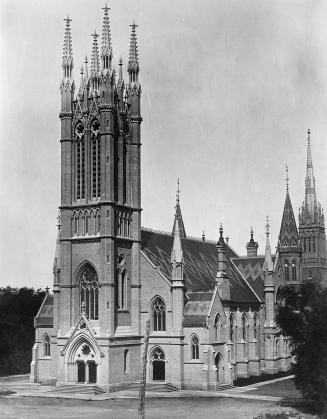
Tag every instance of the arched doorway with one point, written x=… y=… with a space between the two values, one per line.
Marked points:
x=80 y=371
x=218 y=359
x=158 y=365
x=82 y=363
x=92 y=371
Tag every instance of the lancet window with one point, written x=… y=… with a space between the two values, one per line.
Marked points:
x=46 y=345
x=79 y=160
x=195 y=347
x=89 y=293
x=217 y=325
x=255 y=326
x=159 y=315
x=95 y=159
x=293 y=270
x=286 y=271
x=121 y=283
x=244 y=327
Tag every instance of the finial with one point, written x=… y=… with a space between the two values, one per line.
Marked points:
x=287 y=178
x=47 y=289
x=67 y=20
x=251 y=233
x=267 y=226
x=203 y=236
x=227 y=239
x=177 y=192
x=221 y=230
x=309 y=135
x=120 y=68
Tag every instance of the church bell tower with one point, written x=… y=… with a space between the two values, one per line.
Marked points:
x=99 y=242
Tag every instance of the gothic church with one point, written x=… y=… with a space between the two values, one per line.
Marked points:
x=211 y=311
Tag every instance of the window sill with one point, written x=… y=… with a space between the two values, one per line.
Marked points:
x=45 y=357
x=123 y=310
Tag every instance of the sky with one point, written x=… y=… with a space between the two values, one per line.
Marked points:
x=229 y=90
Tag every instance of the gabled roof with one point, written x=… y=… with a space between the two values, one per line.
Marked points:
x=197 y=308
x=288 y=235
x=251 y=269
x=200 y=263
x=44 y=317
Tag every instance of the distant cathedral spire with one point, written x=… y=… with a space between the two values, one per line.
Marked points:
x=178 y=214
x=67 y=55
x=106 y=49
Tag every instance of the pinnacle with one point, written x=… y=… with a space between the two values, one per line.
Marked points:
x=106 y=50
x=67 y=55
x=95 y=56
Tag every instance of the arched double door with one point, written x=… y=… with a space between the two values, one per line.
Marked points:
x=82 y=363
x=158 y=363
x=86 y=372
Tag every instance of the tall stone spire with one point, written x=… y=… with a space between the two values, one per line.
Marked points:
x=268 y=263
x=178 y=215
x=310 y=200
x=67 y=55
x=95 y=66
x=106 y=49
x=133 y=61
x=312 y=227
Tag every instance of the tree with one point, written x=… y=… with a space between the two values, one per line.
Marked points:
x=302 y=315
x=18 y=307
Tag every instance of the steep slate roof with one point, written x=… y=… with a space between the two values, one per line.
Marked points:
x=197 y=308
x=44 y=317
x=251 y=269
x=201 y=264
x=288 y=235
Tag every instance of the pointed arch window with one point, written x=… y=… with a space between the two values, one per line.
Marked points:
x=314 y=244
x=95 y=158
x=286 y=271
x=217 y=325
x=309 y=244
x=121 y=284
x=304 y=245
x=46 y=345
x=79 y=160
x=293 y=270
x=244 y=327
x=159 y=315
x=195 y=347
x=231 y=328
x=255 y=326
x=89 y=293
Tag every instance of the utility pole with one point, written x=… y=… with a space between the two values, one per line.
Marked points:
x=143 y=372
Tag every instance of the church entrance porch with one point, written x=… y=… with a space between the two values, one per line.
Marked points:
x=158 y=363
